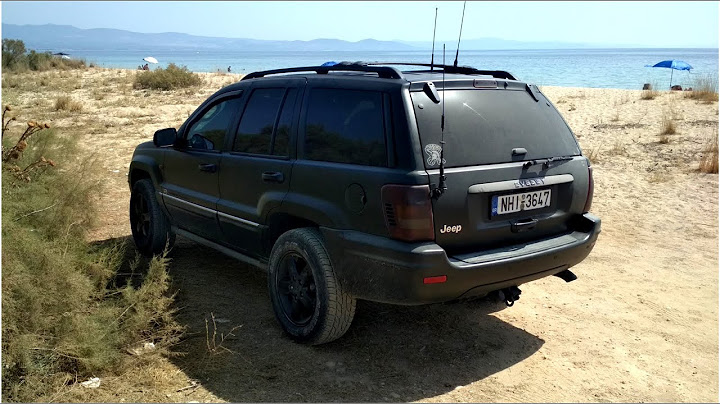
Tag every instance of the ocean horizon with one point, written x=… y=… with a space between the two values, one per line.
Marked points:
x=621 y=68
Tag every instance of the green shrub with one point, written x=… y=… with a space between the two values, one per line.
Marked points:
x=171 y=78
x=13 y=53
x=15 y=58
x=67 y=315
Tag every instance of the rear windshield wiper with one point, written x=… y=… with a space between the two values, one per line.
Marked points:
x=546 y=162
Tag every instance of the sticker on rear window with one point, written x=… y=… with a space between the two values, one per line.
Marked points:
x=433 y=151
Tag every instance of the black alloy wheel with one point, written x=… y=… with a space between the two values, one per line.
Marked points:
x=307 y=298
x=151 y=229
x=140 y=218
x=296 y=285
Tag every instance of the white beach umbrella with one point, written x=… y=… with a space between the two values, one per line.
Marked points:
x=150 y=59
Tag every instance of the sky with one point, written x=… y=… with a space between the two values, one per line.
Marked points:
x=665 y=24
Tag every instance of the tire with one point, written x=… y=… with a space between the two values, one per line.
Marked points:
x=150 y=227
x=307 y=298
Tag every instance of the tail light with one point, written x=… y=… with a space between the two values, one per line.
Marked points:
x=408 y=212
x=591 y=190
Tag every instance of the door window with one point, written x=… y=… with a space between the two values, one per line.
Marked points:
x=281 y=142
x=208 y=132
x=255 y=132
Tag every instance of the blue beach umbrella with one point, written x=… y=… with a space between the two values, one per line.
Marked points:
x=672 y=65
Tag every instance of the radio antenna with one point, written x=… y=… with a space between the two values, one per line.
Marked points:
x=432 y=57
x=442 y=187
x=458 y=45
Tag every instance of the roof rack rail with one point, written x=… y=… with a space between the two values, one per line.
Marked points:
x=498 y=74
x=384 y=72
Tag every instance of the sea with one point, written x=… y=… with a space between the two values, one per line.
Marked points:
x=594 y=68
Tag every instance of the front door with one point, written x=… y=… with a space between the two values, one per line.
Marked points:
x=256 y=169
x=191 y=169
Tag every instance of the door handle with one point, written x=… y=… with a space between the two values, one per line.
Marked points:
x=209 y=168
x=273 y=176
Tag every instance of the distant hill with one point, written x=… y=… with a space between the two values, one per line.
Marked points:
x=68 y=38
x=506 y=44
x=65 y=37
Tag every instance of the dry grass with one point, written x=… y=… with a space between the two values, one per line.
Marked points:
x=214 y=344
x=624 y=98
x=65 y=103
x=593 y=155
x=674 y=111
x=668 y=125
x=618 y=149
x=709 y=160
x=705 y=89
x=650 y=94
x=658 y=177
x=10 y=82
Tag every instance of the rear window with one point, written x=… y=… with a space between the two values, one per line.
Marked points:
x=484 y=126
x=345 y=126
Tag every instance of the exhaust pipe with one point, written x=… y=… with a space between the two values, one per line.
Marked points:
x=507 y=295
x=566 y=275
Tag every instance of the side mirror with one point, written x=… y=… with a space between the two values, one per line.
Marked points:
x=165 y=137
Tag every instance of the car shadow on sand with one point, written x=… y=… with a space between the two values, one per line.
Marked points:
x=390 y=353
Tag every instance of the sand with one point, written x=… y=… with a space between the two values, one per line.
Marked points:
x=639 y=324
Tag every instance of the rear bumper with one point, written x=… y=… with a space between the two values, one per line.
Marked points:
x=385 y=270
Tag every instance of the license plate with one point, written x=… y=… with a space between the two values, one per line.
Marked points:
x=505 y=204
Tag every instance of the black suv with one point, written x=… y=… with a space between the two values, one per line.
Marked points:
x=361 y=181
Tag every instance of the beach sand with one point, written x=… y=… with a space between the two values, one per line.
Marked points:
x=639 y=324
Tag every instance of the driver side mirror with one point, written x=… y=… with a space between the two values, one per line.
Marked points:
x=165 y=137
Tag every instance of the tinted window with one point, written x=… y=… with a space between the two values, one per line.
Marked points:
x=256 y=126
x=345 y=126
x=208 y=133
x=282 y=134
x=484 y=126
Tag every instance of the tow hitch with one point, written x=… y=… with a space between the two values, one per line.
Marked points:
x=566 y=275
x=509 y=295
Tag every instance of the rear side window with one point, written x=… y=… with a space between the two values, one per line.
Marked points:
x=345 y=126
x=208 y=132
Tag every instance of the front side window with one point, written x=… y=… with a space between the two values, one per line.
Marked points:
x=345 y=126
x=208 y=132
x=255 y=132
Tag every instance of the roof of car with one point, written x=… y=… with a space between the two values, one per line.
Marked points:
x=384 y=71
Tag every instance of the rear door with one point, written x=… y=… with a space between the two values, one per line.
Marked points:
x=344 y=154
x=190 y=172
x=499 y=192
x=256 y=168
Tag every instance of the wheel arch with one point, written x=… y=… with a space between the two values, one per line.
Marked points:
x=279 y=223
x=144 y=167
